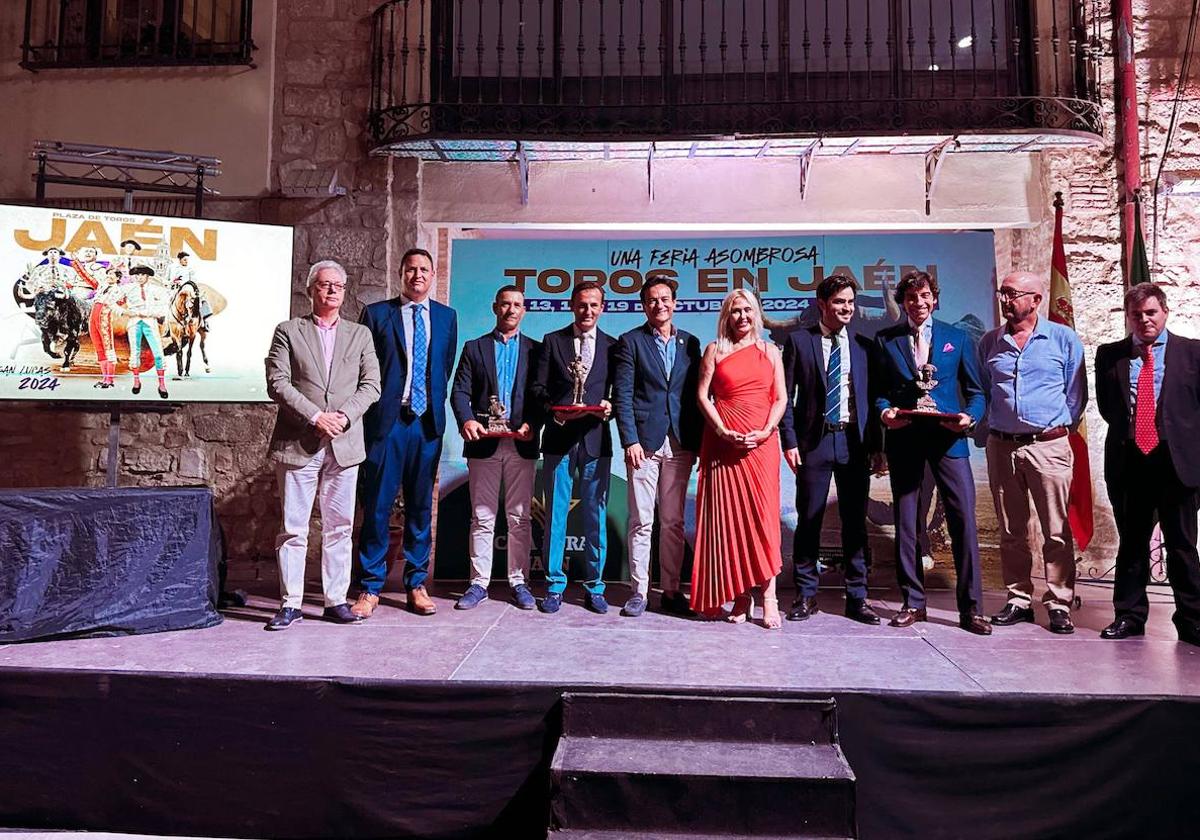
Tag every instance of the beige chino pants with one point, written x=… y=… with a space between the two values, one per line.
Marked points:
x=1040 y=471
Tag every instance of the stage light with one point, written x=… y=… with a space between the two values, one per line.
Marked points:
x=934 y=67
x=965 y=42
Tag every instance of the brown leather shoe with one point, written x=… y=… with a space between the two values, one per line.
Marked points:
x=907 y=617
x=419 y=602
x=365 y=605
x=976 y=624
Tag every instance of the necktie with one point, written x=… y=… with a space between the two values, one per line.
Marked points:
x=417 y=399
x=833 y=382
x=586 y=353
x=920 y=347
x=1145 y=433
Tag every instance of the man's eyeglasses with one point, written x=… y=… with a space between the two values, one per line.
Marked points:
x=329 y=287
x=1011 y=294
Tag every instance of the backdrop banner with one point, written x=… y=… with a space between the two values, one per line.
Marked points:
x=785 y=272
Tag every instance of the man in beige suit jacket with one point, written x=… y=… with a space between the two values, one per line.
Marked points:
x=323 y=372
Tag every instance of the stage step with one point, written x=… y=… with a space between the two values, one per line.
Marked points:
x=689 y=766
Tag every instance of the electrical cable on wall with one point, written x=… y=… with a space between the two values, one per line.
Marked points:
x=1185 y=69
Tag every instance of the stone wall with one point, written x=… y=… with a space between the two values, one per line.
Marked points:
x=321 y=90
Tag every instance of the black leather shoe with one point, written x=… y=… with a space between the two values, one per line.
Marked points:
x=860 y=611
x=676 y=603
x=1123 y=628
x=974 y=623
x=907 y=617
x=803 y=608
x=635 y=606
x=1189 y=633
x=1060 y=622
x=162 y=392
x=595 y=602
x=285 y=618
x=137 y=388
x=341 y=614
x=1013 y=614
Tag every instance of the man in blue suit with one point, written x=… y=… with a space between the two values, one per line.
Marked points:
x=826 y=434
x=415 y=339
x=498 y=366
x=922 y=343
x=654 y=395
x=576 y=445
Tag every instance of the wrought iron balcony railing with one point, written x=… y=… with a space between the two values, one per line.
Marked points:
x=653 y=69
x=136 y=33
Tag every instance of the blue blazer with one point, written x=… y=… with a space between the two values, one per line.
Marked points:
x=554 y=386
x=803 y=423
x=387 y=329
x=475 y=383
x=959 y=388
x=647 y=404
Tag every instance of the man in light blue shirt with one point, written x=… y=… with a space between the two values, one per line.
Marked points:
x=1034 y=376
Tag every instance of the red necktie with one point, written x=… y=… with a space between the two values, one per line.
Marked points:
x=1145 y=433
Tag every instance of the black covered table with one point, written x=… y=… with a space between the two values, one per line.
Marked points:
x=107 y=561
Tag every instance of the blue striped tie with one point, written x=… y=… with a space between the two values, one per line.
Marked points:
x=417 y=400
x=833 y=382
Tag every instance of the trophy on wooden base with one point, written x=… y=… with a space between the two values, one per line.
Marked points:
x=495 y=421
x=579 y=374
x=926 y=407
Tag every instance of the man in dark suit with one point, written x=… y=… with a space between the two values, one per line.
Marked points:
x=576 y=445
x=825 y=436
x=415 y=339
x=654 y=396
x=494 y=374
x=921 y=347
x=1146 y=389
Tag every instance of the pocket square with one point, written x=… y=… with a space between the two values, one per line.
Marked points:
x=949 y=348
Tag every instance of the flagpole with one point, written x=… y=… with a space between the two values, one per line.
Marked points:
x=1130 y=153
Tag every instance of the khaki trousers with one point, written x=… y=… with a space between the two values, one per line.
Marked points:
x=504 y=468
x=1040 y=471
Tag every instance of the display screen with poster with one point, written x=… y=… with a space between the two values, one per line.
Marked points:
x=116 y=307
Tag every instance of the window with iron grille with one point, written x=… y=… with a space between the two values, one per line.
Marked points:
x=131 y=33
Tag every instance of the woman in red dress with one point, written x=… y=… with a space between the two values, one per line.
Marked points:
x=742 y=396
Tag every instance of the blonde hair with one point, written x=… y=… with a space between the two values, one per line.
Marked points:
x=724 y=341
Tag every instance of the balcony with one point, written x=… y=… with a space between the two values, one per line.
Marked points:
x=136 y=33
x=491 y=79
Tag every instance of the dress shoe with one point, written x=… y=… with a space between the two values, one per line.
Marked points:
x=907 y=617
x=975 y=623
x=341 y=614
x=472 y=598
x=1123 y=628
x=803 y=608
x=136 y=389
x=285 y=618
x=1012 y=614
x=676 y=603
x=162 y=392
x=552 y=603
x=1060 y=622
x=522 y=597
x=595 y=602
x=365 y=605
x=635 y=606
x=860 y=611
x=419 y=601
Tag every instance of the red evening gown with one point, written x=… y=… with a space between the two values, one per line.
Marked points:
x=737 y=497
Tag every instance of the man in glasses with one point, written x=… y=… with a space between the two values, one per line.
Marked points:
x=323 y=372
x=1036 y=382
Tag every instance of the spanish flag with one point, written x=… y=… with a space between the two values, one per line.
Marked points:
x=1062 y=312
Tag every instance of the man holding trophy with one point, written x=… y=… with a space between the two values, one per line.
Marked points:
x=929 y=395
x=573 y=385
x=499 y=428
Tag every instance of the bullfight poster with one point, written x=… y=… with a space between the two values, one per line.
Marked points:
x=118 y=307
